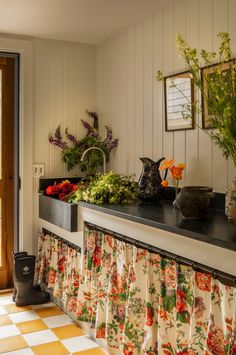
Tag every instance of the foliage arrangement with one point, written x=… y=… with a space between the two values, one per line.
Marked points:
x=175 y=170
x=221 y=97
x=109 y=187
x=62 y=190
x=71 y=151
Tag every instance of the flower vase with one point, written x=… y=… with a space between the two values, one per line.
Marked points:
x=175 y=203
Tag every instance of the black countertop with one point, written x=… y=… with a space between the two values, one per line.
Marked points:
x=214 y=229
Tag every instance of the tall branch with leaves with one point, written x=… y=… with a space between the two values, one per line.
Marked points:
x=221 y=83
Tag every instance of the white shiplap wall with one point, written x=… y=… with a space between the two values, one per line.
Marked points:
x=130 y=100
x=64 y=89
x=64 y=86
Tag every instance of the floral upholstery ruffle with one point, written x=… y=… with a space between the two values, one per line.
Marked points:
x=138 y=301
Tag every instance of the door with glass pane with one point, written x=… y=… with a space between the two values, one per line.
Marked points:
x=6 y=170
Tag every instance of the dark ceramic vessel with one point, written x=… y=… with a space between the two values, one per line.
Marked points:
x=149 y=184
x=193 y=201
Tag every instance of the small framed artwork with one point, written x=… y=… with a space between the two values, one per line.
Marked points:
x=206 y=73
x=179 y=101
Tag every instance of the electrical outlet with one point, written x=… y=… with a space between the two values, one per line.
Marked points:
x=35 y=170
x=38 y=170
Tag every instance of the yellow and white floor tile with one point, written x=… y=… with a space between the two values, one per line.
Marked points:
x=41 y=330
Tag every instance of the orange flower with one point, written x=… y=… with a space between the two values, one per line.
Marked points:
x=166 y=164
x=176 y=173
x=203 y=281
x=181 y=166
x=164 y=183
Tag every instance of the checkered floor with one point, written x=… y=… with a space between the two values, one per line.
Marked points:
x=41 y=330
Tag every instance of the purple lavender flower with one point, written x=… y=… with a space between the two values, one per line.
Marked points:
x=57 y=139
x=112 y=144
x=58 y=142
x=71 y=137
x=109 y=141
x=109 y=134
x=94 y=115
x=58 y=133
x=90 y=130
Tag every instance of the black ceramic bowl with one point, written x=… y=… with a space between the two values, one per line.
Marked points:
x=193 y=201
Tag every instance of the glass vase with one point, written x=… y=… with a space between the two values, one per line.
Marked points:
x=175 y=205
x=230 y=193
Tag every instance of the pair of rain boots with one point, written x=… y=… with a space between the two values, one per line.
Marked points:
x=25 y=293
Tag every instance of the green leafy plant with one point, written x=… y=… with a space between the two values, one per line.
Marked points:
x=221 y=94
x=109 y=187
x=73 y=148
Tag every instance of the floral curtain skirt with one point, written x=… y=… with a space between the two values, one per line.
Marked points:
x=138 y=301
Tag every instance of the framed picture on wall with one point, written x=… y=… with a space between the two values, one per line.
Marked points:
x=179 y=100
x=206 y=74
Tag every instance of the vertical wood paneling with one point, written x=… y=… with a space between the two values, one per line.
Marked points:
x=158 y=108
x=150 y=48
x=139 y=91
x=42 y=104
x=168 y=68
x=179 y=27
x=64 y=89
x=122 y=103
x=192 y=136
x=56 y=102
x=205 y=144
x=147 y=86
x=131 y=100
x=219 y=164
x=70 y=95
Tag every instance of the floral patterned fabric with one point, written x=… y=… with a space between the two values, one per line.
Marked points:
x=142 y=303
x=58 y=267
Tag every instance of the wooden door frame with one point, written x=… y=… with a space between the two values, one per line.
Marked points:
x=14 y=112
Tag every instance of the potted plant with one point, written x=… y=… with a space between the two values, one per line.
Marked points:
x=214 y=74
x=73 y=149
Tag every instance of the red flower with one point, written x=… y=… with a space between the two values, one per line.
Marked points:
x=97 y=256
x=203 y=281
x=181 y=307
x=72 y=304
x=49 y=190
x=233 y=349
x=61 y=264
x=180 y=294
x=101 y=332
x=128 y=349
x=132 y=276
x=62 y=189
x=149 y=316
x=215 y=341
x=181 y=301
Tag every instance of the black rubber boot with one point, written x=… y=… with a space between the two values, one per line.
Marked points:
x=26 y=294
x=17 y=256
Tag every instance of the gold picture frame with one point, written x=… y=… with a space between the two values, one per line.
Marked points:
x=205 y=72
x=179 y=93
